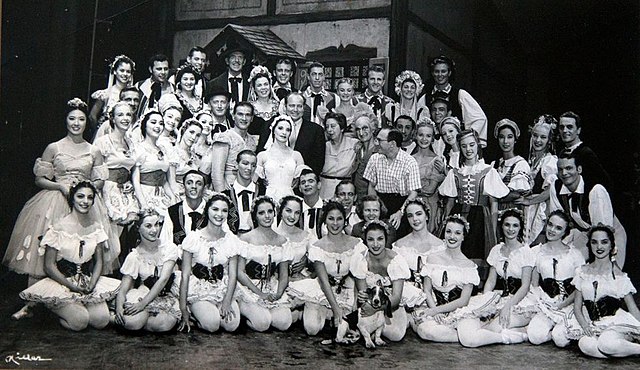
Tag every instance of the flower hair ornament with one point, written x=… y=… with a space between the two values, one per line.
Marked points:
x=112 y=67
x=549 y=123
x=460 y=219
x=421 y=202
x=517 y=211
x=221 y=195
x=77 y=103
x=122 y=58
x=408 y=75
x=376 y=222
x=262 y=199
x=259 y=70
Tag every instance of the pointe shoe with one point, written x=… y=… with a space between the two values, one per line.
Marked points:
x=23 y=313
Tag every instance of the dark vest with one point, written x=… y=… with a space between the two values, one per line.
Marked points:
x=177 y=216
x=582 y=206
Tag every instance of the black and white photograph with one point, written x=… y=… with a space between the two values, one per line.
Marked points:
x=320 y=184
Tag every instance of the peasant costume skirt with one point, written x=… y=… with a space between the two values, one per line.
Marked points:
x=24 y=254
x=55 y=295
x=412 y=296
x=120 y=200
x=168 y=303
x=622 y=322
x=308 y=290
x=244 y=294
x=201 y=289
x=481 y=306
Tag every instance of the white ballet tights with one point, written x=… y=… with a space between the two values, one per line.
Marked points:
x=314 y=317
x=539 y=329
x=260 y=318
x=430 y=330
x=397 y=328
x=76 y=316
x=615 y=344
x=208 y=316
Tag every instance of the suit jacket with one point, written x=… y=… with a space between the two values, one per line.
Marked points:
x=223 y=81
x=310 y=143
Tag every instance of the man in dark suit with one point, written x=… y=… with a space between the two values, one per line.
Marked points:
x=186 y=215
x=244 y=191
x=236 y=82
x=307 y=138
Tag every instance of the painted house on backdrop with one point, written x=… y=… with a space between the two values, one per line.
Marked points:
x=348 y=36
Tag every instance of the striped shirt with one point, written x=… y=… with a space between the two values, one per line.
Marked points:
x=399 y=176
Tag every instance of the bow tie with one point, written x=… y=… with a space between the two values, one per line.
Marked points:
x=282 y=92
x=195 y=217
x=244 y=194
x=317 y=101
x=375 y=103
x=156 y=92
x=236 y=80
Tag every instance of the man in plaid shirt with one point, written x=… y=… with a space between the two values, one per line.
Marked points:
x=394 y=176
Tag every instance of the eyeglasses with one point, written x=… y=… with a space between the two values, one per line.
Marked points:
x=379 y=140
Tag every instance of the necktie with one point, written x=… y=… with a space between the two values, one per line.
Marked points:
x=575 y=201
x=281 y=92
x=195 y=217
x=317 y=101
x=235 y=81
x=312 y=218
x=156 y=91
x=375 y=103
x=244 y=194
x=294 y=136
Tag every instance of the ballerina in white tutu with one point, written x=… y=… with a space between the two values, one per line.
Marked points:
x=73 y=254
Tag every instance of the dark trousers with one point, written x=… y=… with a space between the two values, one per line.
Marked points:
x=393 y=202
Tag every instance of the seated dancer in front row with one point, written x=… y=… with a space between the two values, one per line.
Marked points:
x=207 y=283
x=507 y=311
x=331 y=294
x=263 y=271
x=381 y=265
x=149 y=266
x=415 y=248
x=74 y=290
x=603 y=327
x=449 y=278
x=556 y=263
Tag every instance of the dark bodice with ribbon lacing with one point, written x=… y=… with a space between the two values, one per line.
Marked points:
x=209 y=273
x=446 y=297
x=605 y=306
x=150 y=281
x=262 y=272
x=508 y=284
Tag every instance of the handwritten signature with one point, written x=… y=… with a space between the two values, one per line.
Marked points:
x=24 y=357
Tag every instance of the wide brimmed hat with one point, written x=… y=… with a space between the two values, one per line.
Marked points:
x=214 y=90
x=233 y=46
